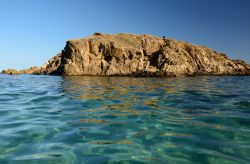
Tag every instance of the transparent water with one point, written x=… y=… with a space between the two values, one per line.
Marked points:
x=49 y=119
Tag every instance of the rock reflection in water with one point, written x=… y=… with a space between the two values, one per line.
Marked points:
x=123 y=119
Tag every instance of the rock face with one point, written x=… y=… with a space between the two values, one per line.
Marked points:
x=137 y=55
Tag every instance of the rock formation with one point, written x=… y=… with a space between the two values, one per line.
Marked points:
x=137 y=55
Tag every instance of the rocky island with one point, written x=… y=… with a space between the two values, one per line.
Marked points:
x=136 y=55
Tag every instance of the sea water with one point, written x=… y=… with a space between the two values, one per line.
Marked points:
x=53 y=119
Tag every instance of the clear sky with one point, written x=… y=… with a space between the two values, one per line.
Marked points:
x=33 y=31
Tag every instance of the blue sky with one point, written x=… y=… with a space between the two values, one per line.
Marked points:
x=33 y=31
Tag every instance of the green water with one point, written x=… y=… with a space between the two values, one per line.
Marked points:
x=50 y=119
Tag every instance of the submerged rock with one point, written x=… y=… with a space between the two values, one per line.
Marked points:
x=137 y=55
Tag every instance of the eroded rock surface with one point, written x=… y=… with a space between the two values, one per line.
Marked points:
x=137 y=55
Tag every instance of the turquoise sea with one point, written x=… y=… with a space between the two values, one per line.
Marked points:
x=52 y=119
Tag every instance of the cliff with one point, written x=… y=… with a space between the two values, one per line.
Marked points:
x=137 y=55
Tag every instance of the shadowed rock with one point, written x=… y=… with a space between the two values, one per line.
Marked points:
x=137 y=55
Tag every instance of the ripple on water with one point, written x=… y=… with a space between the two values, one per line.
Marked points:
x=54 y=119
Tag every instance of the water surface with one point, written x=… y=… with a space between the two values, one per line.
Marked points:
x=51 y=119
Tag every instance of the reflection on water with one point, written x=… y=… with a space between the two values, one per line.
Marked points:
x=122 y=119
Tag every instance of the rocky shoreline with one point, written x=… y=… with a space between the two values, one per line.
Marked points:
x=136 y=55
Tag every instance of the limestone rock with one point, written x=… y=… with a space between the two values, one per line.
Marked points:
x=137 y=55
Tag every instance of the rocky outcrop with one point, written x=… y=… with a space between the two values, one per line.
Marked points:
x=30 y=70
x=49 y=67
x=137 y=55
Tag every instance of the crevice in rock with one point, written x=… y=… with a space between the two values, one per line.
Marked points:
x=104 y=67
x=153 y=60
x=100 y=47
x=130 y=56
x=108 y=58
